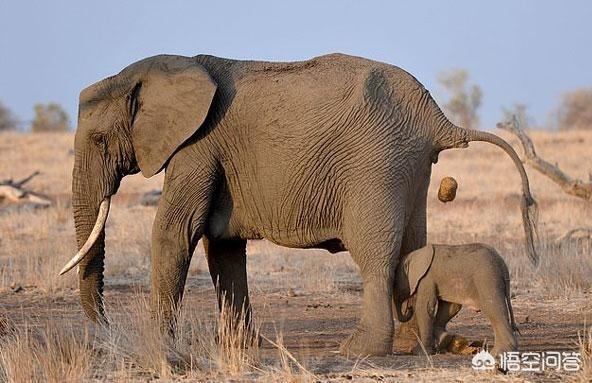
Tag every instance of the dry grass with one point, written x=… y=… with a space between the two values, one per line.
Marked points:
x=54 y=347
x=201 y=345
x=45 y=351
x=585 y=349
x=132 y=347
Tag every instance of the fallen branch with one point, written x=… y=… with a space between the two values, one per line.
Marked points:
x=11 y=193
x=20 y=183
x=27 y=179
x=14 y=192
x=579 y=233
x=569 y=185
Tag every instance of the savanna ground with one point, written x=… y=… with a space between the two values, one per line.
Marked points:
x=305 y=301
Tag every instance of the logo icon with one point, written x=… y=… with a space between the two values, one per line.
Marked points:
x=483 y=361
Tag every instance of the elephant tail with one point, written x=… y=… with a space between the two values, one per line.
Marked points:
x=456 y=137
x=509 y=305
x=528 y=205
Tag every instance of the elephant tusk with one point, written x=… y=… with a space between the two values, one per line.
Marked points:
x=92 y=238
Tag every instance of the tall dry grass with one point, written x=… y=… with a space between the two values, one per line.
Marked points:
x=133 y=348
x=45 y=351
x=585 y=349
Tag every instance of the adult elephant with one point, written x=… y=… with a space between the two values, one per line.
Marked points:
x=333 y=152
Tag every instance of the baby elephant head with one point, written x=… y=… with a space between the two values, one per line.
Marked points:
x=412 y=268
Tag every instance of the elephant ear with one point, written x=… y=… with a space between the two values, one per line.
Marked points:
x=170 y=102
x=417 y=265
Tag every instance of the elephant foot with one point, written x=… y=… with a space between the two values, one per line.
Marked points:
x=362 y=344
x=423 y=350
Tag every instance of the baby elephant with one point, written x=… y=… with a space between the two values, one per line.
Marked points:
x=434 y=282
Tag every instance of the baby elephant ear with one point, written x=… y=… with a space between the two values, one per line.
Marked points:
x=417 y=265
x=173 y=98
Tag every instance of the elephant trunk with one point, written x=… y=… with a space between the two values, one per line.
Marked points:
x=408 y=312
x=452 y=136
x=91 y=266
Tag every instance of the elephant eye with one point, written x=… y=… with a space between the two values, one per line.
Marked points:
x=98 y=139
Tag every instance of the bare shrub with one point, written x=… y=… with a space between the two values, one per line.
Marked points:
x=465 y=99
x=7 y=120
x=575 y=110
x=521 y=112
x=50 y=118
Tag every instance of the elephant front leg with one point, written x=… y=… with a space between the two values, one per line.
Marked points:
x=425 y=312
x=227 y=262
x=178 y=226
x=171 y=255
x=446 y=311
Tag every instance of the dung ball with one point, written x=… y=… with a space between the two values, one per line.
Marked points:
x=447 y=191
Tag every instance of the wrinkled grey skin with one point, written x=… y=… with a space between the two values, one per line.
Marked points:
x=332 y=153
x=434 y=282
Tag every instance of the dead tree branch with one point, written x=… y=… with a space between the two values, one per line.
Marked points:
x=569 y=185
x=27 y=179
x=580 y=232
x=20 y=183
x=13 y=191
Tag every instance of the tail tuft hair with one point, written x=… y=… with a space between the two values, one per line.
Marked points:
x=530 y=213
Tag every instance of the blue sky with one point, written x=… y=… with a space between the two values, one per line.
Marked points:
x=517 y=51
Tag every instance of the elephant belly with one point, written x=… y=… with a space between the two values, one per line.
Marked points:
x=459 y=290
x=253 y=207
x=221 y=228
x=225 y=222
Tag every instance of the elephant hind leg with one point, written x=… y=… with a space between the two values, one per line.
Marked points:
x=493 y=305
x=414 y=237
x=227 y=262
x=373 y=234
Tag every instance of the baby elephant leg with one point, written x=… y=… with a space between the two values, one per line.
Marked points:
x=425 y=313
x=493 y=305
x=446 y=311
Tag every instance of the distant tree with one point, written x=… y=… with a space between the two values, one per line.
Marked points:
x=50 y=118
x=7 y=120
x=465 y=98
x=520 y=111
x=575 y=110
